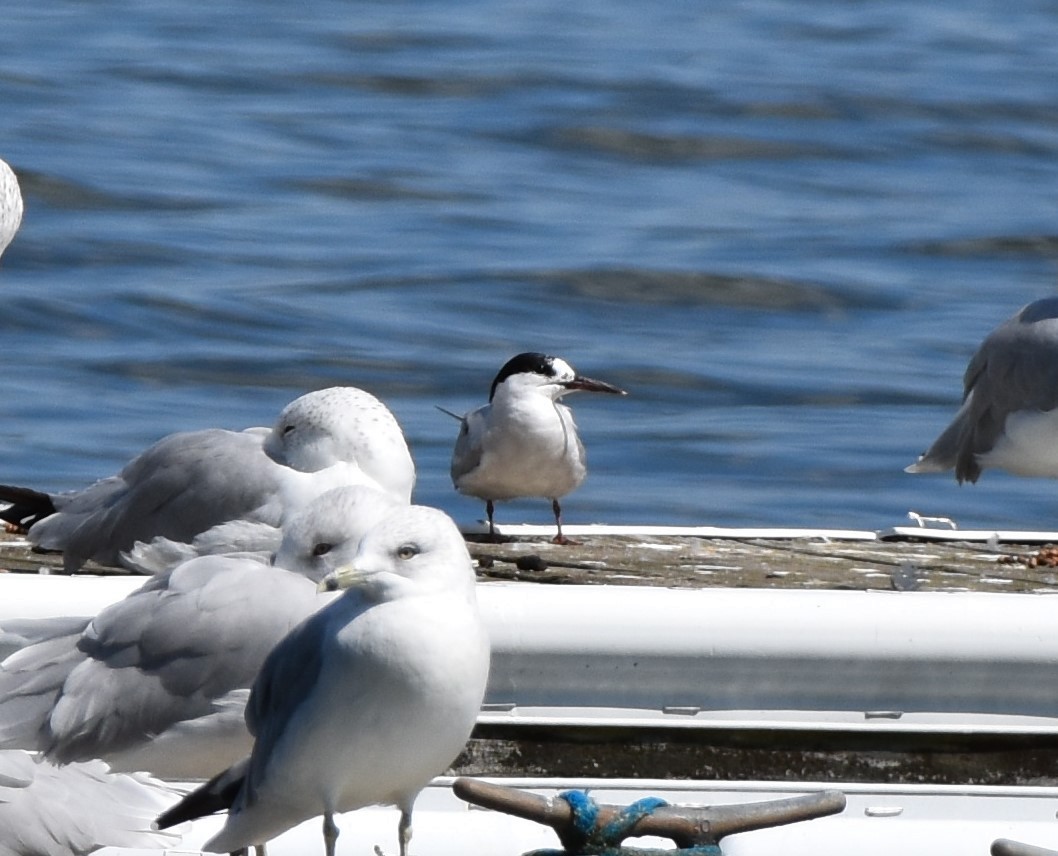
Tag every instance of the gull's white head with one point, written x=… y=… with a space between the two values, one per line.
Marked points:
x=10 y=206
x=344 y=424
x=543 y=374
x=326 y=533
x=413 y=550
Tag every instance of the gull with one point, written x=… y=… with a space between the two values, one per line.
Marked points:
x=70 y=811
x=17 y=633
x=240 y=538
x=335 y=520
x=189 y=482
x=327 y=533
x=368 y=700
x=1009 y=415
x=159 y=680
x=10 y=206
x=524 y=442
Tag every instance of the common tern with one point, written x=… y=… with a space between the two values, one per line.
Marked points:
x=365 y=702
x=524 y=442
x=1009 y=415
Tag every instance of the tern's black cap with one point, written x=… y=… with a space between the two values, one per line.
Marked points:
x=529 y=362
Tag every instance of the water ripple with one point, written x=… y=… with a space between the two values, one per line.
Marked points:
x=1032 y=246
x=699 y=288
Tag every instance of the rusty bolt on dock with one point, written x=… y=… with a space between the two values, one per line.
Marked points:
x=587 y=828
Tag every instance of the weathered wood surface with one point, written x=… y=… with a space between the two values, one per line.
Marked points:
x=763 y=756
x=686 y=561
x=769 y=563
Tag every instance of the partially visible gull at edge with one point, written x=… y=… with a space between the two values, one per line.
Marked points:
x=10 y=205
x=365 y=702
x=1009 y=414
x=70 y=811
x=189 y=482
x=159 y=680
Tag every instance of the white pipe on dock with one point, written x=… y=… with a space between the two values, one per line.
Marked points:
x=879 y=655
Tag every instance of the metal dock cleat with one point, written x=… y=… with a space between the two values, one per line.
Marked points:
x=587 y=828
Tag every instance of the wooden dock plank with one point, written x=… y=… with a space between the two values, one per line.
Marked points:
x=769 y=563
x=700 y=562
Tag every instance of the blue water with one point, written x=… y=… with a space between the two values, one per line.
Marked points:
x=783 y=227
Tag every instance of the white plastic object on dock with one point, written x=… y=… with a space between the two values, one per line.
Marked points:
x=964 y=662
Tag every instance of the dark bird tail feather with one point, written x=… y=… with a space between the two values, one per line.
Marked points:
x=27 y=505
x=214 y=796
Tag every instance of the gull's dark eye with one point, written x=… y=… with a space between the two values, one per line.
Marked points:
x=287 y=429
x=406 y=551
x=322 y=549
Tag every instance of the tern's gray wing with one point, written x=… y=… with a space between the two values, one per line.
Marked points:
x=162 y=656
x=466 y=456
x=69 y=811
x=182 y=485
x=1016 y=368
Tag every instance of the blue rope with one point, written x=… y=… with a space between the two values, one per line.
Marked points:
x=617 y=829
x=585 y=813
x=586 y=840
